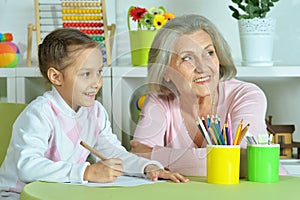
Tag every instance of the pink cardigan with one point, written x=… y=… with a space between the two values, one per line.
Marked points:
x=161 y=125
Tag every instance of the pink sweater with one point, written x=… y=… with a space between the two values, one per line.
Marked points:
x=161 y=125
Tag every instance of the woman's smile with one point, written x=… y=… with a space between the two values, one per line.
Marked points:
x=202 y=80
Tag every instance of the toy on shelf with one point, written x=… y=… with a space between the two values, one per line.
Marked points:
x=283 y=135
x=6 y=37
x=88 y=16
x=9 y=51
x=140 y=102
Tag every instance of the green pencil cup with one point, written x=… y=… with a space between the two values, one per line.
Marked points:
x=263 y=163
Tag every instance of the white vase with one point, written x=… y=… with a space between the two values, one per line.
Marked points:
x=257 y=38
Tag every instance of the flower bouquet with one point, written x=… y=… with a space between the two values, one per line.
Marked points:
x=151 y=19
x=148 y=22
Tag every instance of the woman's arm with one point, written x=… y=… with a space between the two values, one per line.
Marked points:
x=186 y=161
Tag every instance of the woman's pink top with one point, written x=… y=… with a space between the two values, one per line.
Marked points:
x=162 y=127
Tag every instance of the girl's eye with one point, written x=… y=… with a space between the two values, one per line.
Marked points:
x=86 y=74
x=100 y=72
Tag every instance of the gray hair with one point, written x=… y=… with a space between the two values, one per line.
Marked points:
x=162 y=47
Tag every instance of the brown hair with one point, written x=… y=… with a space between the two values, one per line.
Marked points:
x=60 y=47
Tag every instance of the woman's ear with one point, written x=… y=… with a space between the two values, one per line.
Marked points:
x=55 y=76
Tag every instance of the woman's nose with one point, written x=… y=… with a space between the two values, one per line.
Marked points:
x=198 y=67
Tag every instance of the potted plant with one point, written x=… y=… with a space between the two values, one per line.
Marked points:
x=148 y=22
x=256 y=30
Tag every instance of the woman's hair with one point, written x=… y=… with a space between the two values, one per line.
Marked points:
x=162 y=48
x=60 y=48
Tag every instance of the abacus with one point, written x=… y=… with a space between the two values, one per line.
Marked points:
x=88 y=16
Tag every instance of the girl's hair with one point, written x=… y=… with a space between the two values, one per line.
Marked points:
x=60 y=47
x=163 y=44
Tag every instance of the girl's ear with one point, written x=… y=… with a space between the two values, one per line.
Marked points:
x=167 y=78
x=55 y=76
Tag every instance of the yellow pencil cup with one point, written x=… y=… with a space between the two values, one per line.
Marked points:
x=223 y=164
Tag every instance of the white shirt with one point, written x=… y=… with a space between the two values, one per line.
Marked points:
x=45 y=144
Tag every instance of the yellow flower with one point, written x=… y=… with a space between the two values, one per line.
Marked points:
x=169 y=15
x=159 y=21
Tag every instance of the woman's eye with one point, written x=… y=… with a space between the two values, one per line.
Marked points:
x=209 y=53
x=186 y=58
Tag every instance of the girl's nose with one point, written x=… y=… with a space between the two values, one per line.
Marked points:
x=97 y=82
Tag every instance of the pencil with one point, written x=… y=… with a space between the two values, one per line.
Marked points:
x=227 y=134
x=204 y=122
x=218 y=134
x=224 y=135
x=208 y=121
x=218 y=126
x=238 y=132
x=230 y=138
x=93 y=151
x=203 y=131
x=243 y=133
x=213 y=135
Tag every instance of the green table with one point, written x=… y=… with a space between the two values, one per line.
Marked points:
x=288 y=187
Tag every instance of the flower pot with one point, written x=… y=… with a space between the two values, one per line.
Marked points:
x=140 y=43
x=256 y=38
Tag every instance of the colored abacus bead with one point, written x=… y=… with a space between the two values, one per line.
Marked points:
x=102 y=45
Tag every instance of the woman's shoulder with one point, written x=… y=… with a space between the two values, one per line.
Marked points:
x=161 y=100
x=238 y=89
x=240 y=85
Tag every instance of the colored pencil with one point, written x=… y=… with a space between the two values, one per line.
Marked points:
x=238 y=132
x=229 y=129
x=227 y=134
x=243 y=133
x=204 y=122
x=208 y=121
x=214 y=127
x=224 y=135
x=203 y=131
x=218 y=126
x=213 y=135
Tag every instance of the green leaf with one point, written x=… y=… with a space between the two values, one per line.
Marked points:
x=252 y=8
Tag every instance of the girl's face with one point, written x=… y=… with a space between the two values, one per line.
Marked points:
x=195 y=64
x=82 y=81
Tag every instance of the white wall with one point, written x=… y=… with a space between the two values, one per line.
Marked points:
x=15 y=15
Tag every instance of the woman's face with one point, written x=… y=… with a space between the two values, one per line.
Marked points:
x=194 y=64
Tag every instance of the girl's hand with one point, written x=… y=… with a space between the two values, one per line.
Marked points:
x=153 y=173
x=140 y=149
x=104 y=171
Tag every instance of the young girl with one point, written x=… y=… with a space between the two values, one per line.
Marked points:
x=45 y=143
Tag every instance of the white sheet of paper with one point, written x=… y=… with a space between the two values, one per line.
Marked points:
x=123 y=181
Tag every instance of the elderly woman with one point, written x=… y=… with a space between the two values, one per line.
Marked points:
x=190 y=75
